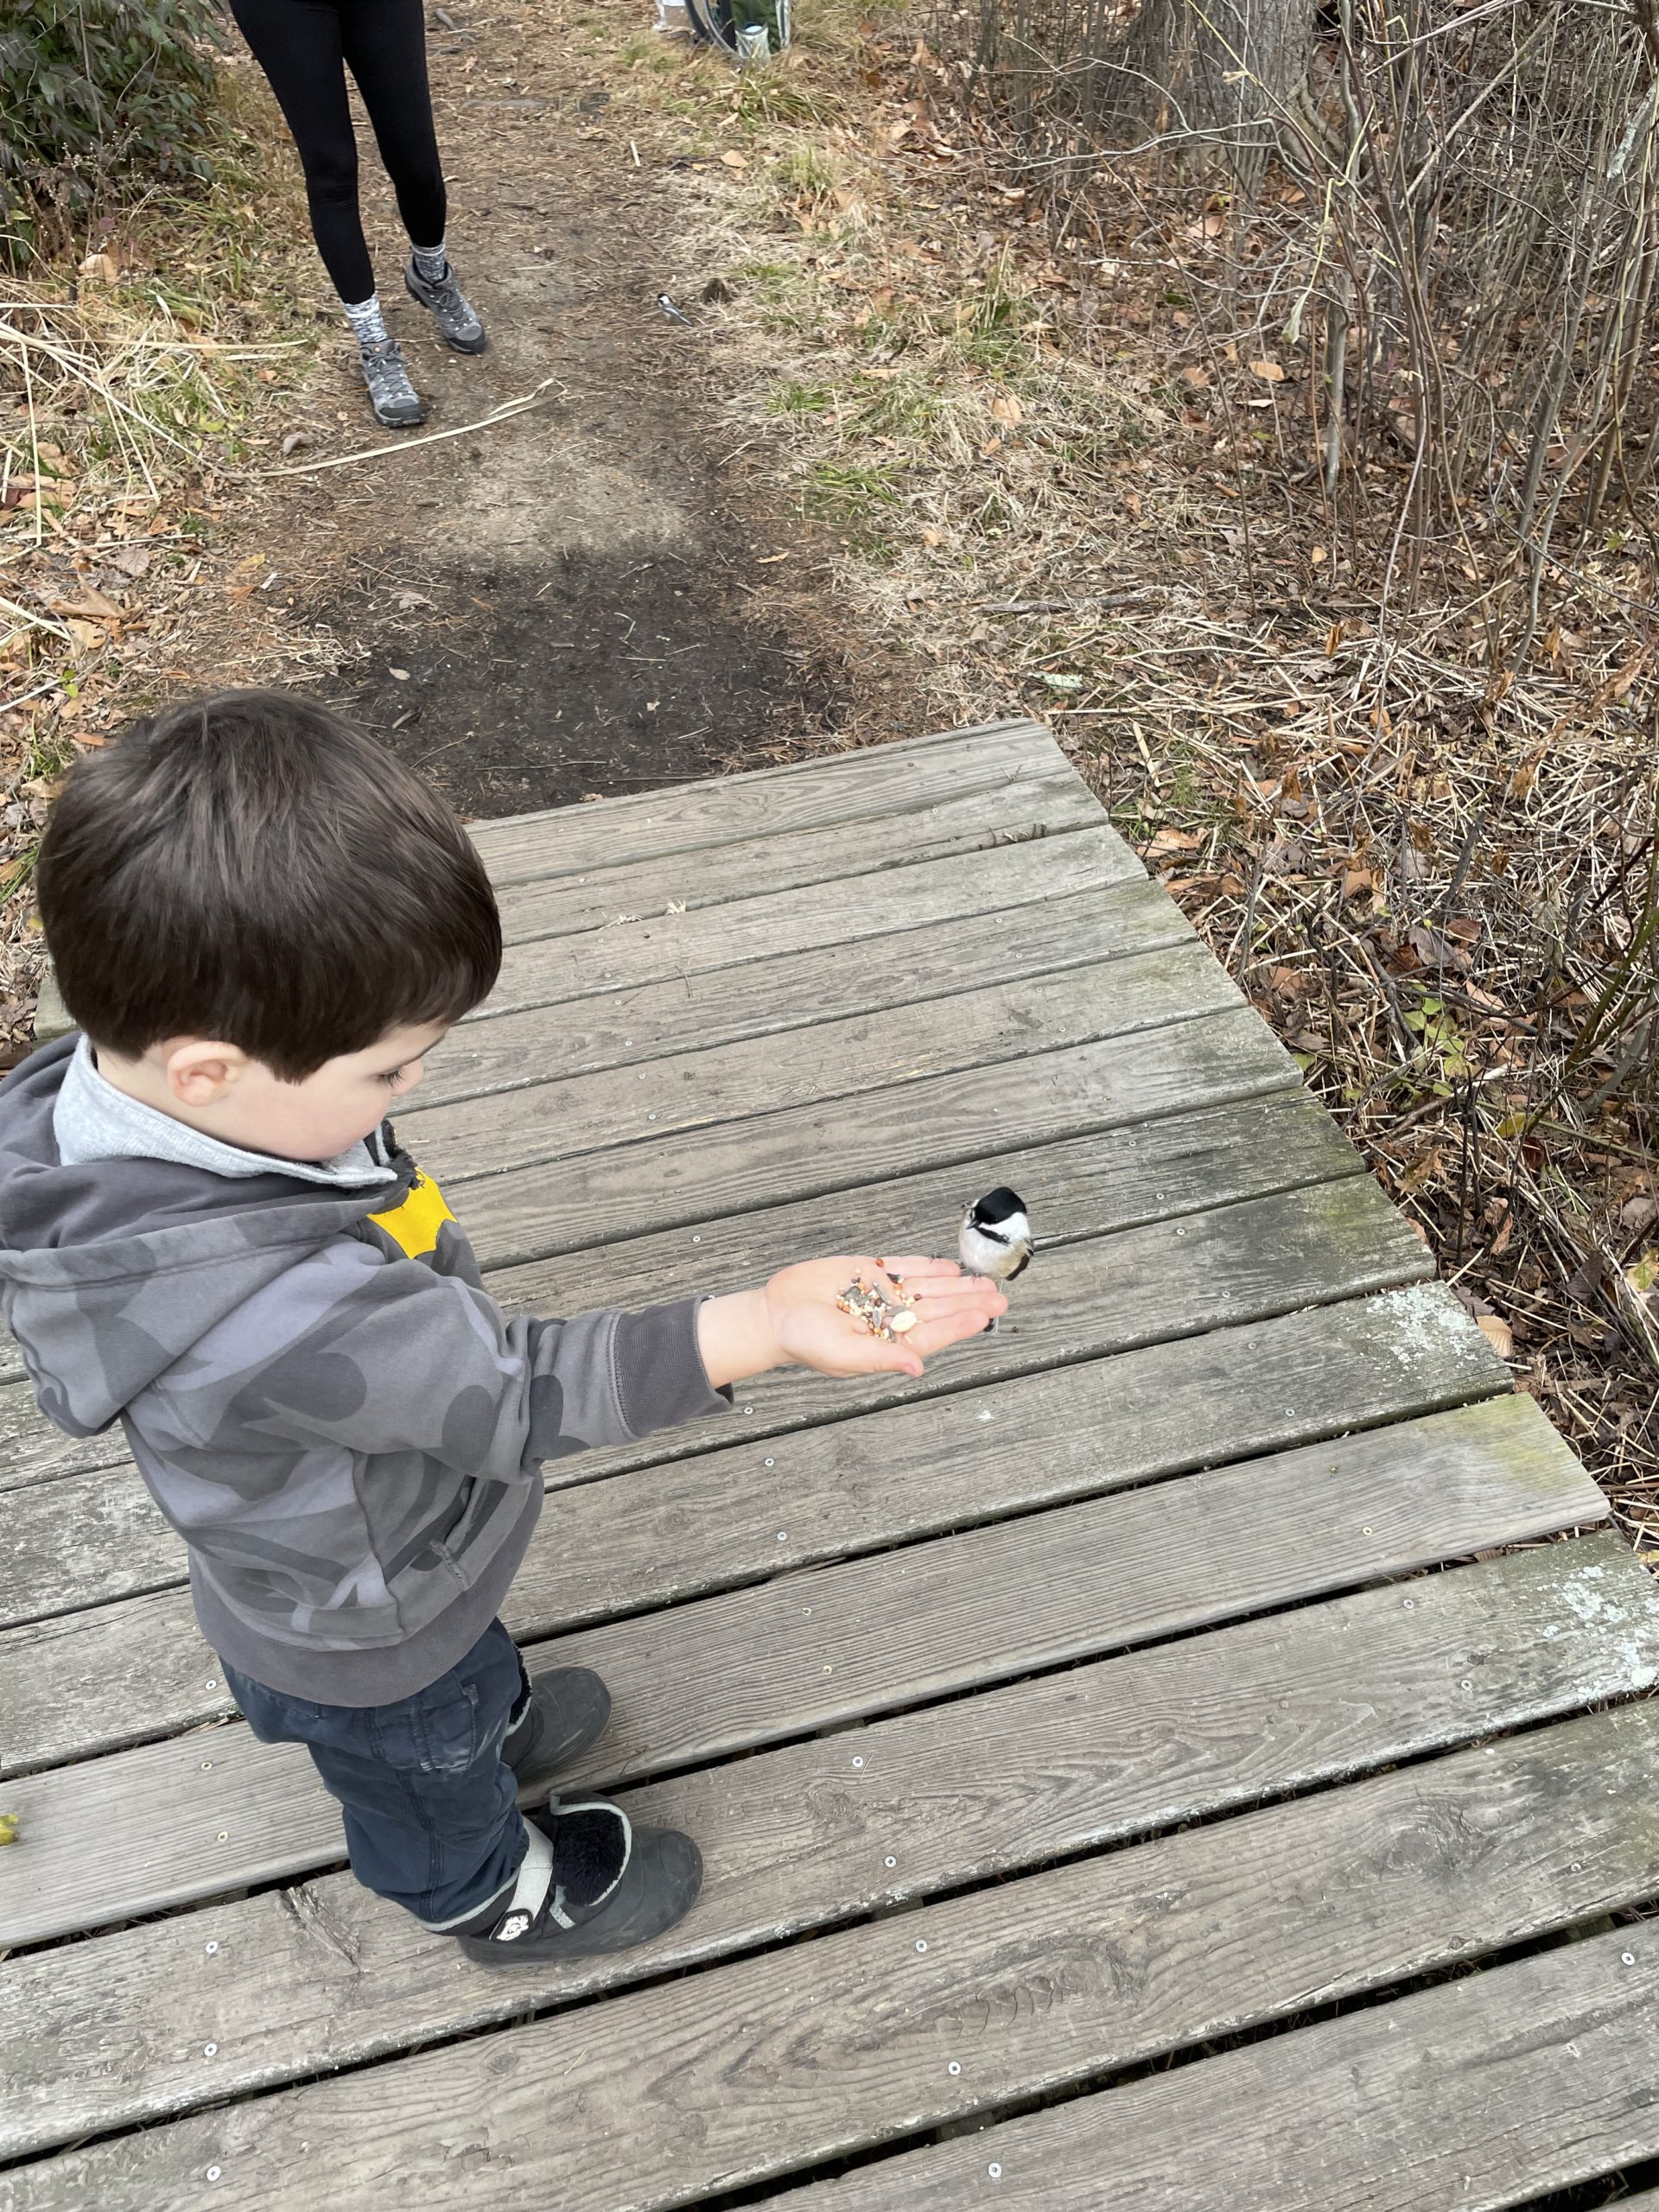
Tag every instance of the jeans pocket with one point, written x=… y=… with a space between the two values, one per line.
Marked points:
x=435 y=1732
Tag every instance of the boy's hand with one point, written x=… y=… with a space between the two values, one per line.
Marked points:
x=794 y=1319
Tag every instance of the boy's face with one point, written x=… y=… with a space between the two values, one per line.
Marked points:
x=216 y=1088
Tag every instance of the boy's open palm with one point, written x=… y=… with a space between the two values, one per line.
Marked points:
x=811 y=1329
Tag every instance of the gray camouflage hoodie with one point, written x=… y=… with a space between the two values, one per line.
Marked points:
x=324 y=1401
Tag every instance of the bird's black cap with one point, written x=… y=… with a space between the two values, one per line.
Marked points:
x=999 y=1205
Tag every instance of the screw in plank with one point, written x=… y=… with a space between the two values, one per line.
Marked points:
x=696 y=1240
x=651 y=1117
x=1629 y=1957
x=748 y=1409
x=210 y=2051
x=771 y=1463
x=212 y=1949
x=920 y=1944
x=207 y=1766
x=213 y=2172
x=210 y=1686
x=995 y=2171
x=858 y=1762
x=782 y=1535
x=889 y=1862
x=1465 y=1684
x=953 y=2067
x=1366 y=1530
x=1180 y=1232
x=223 y=1835
x=1411 y=1604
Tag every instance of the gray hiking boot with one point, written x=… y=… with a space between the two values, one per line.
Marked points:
x=453 y=312
x=394 y=399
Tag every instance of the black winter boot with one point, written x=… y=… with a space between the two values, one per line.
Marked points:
x=590 y=1884
x=568 y=1710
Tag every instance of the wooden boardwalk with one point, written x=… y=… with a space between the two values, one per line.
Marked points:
x=1066 y=1735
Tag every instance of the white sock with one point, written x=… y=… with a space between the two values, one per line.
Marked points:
x=366 y=320
x=430 y=261
x=528 y=1886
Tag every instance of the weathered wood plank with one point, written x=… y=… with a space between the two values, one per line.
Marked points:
x=899 y=778
x=1089 y=1187
x=207 y=1813
x=1492 y=2090
x=845 y=1058
x=771 y=2064
x=807 y=1152
x=87 y=1541
x=107 y=2034
x=983 y=813
x=625 y=955
x=786 y=996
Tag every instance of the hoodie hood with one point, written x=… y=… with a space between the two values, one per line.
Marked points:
x=111 y=1269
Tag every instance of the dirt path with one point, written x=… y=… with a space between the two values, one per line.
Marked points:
x=600 y=594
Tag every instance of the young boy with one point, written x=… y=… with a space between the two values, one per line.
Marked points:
x=262 y=923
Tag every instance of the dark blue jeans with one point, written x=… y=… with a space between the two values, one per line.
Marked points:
x=431 y=1808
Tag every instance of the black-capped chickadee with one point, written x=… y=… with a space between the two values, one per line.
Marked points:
x=995 y=1238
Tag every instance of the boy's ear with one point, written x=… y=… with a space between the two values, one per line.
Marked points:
x=200 y=1072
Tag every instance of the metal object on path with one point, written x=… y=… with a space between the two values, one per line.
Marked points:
x=752 y=44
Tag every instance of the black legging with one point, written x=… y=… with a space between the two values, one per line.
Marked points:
x=305 y=47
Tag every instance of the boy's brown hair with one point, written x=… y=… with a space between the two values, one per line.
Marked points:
x=249 y=867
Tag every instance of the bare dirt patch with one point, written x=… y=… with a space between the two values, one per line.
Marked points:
x=599 y=594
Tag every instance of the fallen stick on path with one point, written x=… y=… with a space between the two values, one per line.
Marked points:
x=504 y=413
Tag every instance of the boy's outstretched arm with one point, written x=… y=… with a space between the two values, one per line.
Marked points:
x=793 y=1319
x=345 y=1349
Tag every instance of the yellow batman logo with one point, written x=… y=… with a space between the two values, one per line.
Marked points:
x=414 y=1226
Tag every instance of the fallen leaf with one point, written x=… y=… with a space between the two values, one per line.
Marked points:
x=1269 y=372
x=1196 y=376
x=7 y=1827
x=101 y=268
x=1638 y=1214
x=1005 y=408
x=131 y=560
x=295 y=440
x=85 y=633
x=92 y=605
x=398 y=675
x=1497 y=1333
x=734 y=160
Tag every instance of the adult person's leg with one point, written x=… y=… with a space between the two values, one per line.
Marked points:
x=386 y=51
x=299 y=45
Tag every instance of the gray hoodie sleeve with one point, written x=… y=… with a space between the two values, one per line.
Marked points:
x=347 y=1348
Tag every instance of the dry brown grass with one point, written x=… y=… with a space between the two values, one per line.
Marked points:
x=1065 y=484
